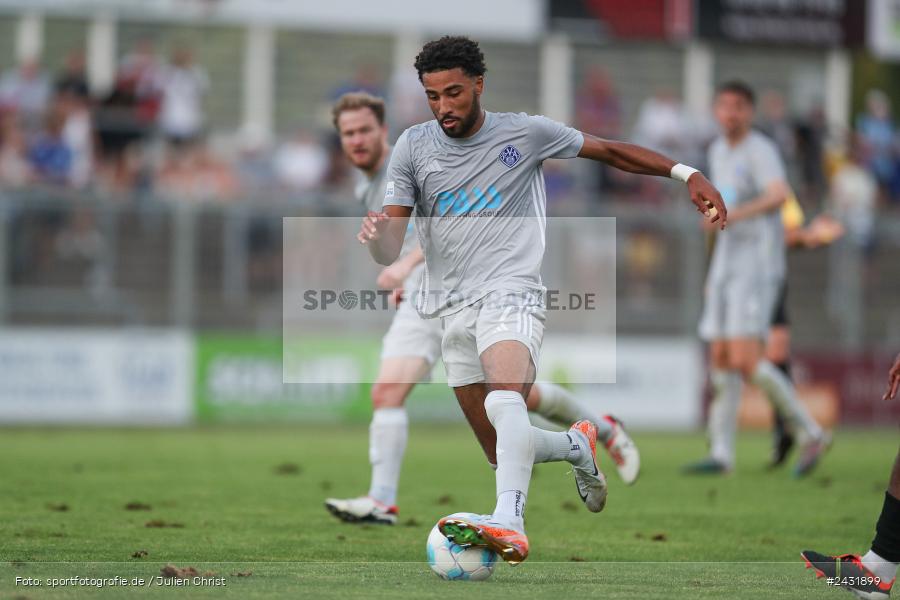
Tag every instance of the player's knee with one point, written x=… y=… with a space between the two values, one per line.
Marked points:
x=387 y=395
x=718 y=354
x=747 y=366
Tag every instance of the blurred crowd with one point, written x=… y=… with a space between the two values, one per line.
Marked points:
x=850 y=174
x=150 y=134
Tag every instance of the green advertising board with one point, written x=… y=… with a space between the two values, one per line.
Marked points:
x=240 y=379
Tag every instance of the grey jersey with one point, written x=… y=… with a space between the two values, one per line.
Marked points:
x=480 y=204
x=741 y=173
x=371 y=194
x=371 y=191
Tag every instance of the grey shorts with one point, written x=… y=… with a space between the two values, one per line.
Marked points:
x=477 y=327
x=739 y=307
x=411 y=336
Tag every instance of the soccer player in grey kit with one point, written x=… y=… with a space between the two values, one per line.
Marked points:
x=412 y=344
x=745 y=275
x=474 y=179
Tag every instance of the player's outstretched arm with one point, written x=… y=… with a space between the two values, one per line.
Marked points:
x=775 y=194
x=893 y=380
x=394 y=275
x=383 y=232
x=643 y=161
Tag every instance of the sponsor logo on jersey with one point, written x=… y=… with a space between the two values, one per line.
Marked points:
x=462 y=202
x=389 y=190
x=509 y=156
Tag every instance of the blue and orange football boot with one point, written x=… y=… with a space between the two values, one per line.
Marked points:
x=589 y=479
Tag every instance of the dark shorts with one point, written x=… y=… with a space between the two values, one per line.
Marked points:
x=780 y=316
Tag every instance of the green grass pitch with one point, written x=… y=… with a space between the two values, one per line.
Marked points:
x=233 y=501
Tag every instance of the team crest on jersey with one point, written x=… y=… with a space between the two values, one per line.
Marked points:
x=509 y=156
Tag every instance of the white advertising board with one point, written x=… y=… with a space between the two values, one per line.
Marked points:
x=92 y=376
x=658 y=380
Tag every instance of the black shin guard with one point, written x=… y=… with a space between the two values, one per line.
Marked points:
x=887 y=532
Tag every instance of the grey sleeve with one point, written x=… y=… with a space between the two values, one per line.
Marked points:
x=767 y=165
x=552 y=139
x=401 y=188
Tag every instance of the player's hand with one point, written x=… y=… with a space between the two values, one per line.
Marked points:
x=707 y=199
x=392 y=276
x=893 y=380
x=824 y=230
x=372 y=226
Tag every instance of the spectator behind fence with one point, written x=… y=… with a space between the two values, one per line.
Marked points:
x=776 y=123
x=141 y=72
x=50 y=157
x=254 y=166
x=301 y=163
x=854 y=195
x=15 y=170
x=598 y=111
x=195 y=174
x=78 y=134
x=72 y=80
x=119 y=129
x=26 y=91
x=876 y=130
x=182 y=85
x=663 y=125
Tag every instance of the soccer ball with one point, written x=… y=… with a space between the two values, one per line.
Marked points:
x=454 y=562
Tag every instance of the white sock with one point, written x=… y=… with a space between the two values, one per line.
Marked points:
x=780 y=391
x=554 y=446
x=515 y=455
x=387 y=443
x=558 y=405
x=887 y=571
x=727 y=387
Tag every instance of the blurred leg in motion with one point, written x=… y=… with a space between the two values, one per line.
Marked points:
x=722 y=423
x=559 y=406
x=778 y=352
x=388 y=433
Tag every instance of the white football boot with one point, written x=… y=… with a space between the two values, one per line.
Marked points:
x=362 y=510
x=622 y=450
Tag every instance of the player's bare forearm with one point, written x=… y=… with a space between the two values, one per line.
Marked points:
x=769 y=201
x=394 y=275
x=643 y=161
x=414 y=258
x=625 y=156
x=383 y=233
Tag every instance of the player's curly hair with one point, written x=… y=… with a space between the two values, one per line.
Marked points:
x=450 y=52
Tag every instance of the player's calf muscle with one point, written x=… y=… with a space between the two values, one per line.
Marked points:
x=389 y=395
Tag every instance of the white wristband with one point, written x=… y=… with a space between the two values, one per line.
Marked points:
x=682 y=172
